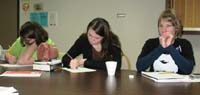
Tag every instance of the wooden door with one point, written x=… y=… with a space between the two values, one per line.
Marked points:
x=187 y=10
x=8 y=22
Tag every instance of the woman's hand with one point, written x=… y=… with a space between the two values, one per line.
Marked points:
x=10 y=58
x=166 y=40
x=74 y=63
x=170 y=40
x=81 y=61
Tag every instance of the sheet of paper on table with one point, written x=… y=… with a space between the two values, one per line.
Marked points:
x=79 y=70
x=8 y=91
x=21 y=74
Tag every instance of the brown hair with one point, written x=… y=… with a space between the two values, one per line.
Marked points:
x=170 y=16
x=102 y=28
x=33 y=30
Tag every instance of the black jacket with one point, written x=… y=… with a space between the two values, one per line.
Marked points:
x=82 y=46
x=181 y=52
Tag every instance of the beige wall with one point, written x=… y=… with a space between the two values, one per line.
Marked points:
x=137 y=25
x=194 y=39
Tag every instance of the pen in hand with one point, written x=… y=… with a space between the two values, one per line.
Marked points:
x=69 y=56
x=73 y=63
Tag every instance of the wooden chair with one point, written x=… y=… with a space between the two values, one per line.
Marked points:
x=126 y=64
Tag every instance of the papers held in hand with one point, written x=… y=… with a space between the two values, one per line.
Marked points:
x=46 y=65
x=169 y=77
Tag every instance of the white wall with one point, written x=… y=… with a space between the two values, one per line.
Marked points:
x=139 y=23
x=194 y=39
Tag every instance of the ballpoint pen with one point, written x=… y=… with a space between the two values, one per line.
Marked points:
x=69 y=56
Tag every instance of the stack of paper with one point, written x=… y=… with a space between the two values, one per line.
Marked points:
x=21 y=74
x=79 y=70
x=52 y=62
x=46 y=66
x=8 y=91
x=169 y=77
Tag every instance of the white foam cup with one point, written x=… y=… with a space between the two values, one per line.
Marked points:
x=111 y=67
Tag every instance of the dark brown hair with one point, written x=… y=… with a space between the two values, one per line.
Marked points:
x=102 y=28
x=33 y=30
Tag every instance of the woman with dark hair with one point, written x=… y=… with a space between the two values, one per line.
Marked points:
x=168 y=52
x=23 y=50
x=98 y=44
x=34 y=31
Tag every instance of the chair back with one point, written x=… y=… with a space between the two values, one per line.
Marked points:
x=126 y=64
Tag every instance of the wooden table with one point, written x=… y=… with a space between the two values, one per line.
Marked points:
x=95 y=83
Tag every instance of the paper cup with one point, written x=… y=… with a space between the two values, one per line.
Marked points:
x=111 y=67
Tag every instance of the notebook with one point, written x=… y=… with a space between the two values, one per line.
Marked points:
x=166 y=77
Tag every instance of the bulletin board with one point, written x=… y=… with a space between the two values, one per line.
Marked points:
x=35 y=11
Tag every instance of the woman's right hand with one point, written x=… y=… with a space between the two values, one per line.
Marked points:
x=166 y=40
x=162 y=41
x=10 y=58
x=74 y=63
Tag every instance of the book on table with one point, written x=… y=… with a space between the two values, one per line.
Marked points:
x=169 y=77
x=46 y=65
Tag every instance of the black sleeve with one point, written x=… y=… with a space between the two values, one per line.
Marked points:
x=116 y=54
x=74 y=51
x=183 y=58
x=150 y=52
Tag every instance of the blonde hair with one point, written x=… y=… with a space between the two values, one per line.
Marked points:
x=170 y=16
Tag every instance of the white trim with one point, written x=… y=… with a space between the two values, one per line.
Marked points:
x=191 y=29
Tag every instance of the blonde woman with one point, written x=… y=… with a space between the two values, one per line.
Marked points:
x=168 y=52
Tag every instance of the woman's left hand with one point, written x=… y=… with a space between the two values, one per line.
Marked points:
x=169 y=40
x=166 y=40
x=81 y=61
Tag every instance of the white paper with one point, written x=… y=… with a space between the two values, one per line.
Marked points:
x=166 y=77
x=79 y=70
x=15 y=65
x=52 y=62
x=21 y=74
x=8 y=91
x=44 y=67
